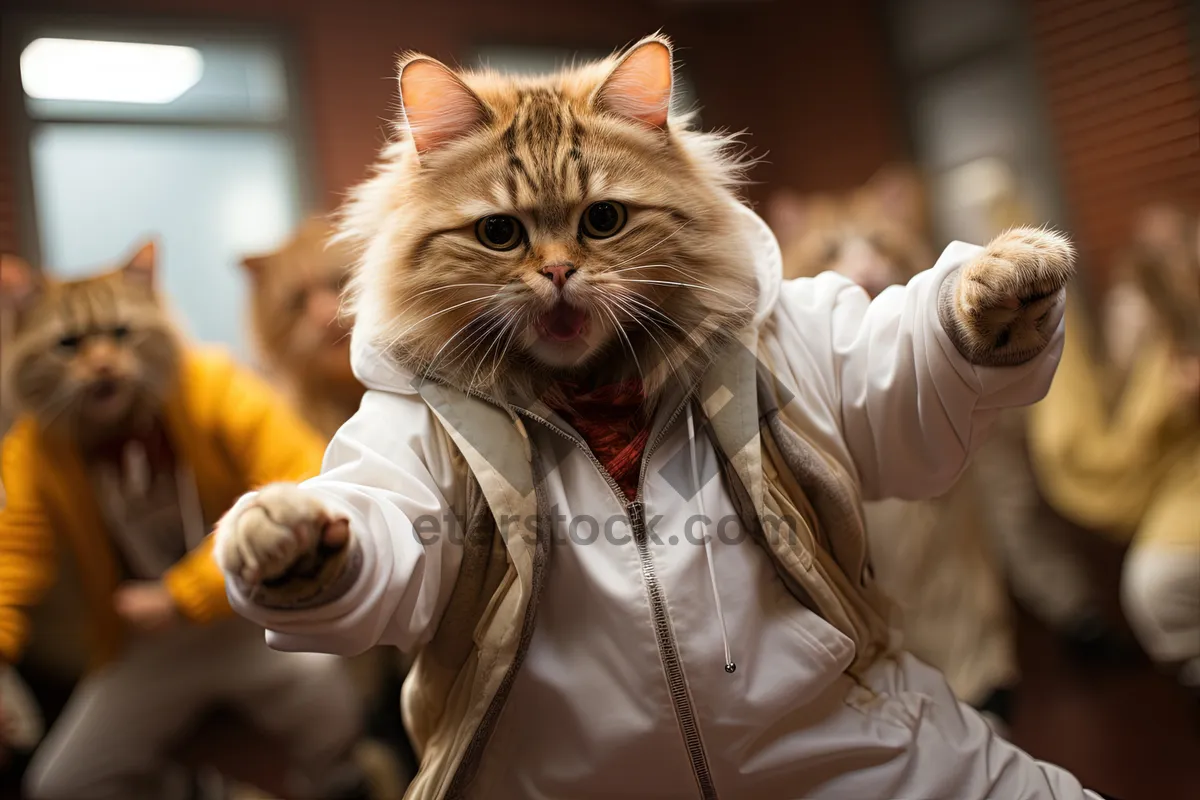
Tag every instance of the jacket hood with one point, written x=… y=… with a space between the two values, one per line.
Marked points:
x=375 y=370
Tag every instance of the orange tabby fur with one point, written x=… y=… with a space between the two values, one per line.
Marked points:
x=88 y=356
x=876 y=234
x=542 y=149
x=299 y=326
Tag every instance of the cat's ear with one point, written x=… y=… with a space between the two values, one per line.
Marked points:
x=140 y=268
x=898 y=192
x=789 y=214
x=437 y=106
x=254 y=265
x=1161 y=228
x=639 y=86
x=19 y=284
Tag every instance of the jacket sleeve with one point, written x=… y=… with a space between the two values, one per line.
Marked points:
x=267 y=441
x=27 y=554
x=910 y=407
x=1100 y=467
x=390 y=471
x=197 y=585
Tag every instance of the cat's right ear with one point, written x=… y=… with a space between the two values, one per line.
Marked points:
x=142 y=265
x=789 y=214
x=1160 y=227
x=640 y=85
x=19 y=284
x=437 y=107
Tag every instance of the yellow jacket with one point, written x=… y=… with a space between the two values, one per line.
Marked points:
x=233 y=431
x=1132 y=468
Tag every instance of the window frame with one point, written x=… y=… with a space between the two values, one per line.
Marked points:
x=19 y=30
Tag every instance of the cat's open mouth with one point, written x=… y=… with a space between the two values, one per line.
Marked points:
x=563 y=323
x=103 y=390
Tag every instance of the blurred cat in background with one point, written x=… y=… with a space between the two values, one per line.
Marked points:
x=874 y=235
x=128 y=444
x=302 y=334
x=948 y=569
x=297 y=320
x=932 y=557
x=1117 y=440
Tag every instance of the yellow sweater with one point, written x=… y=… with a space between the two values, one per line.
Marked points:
x=1132 y=469
x=233 y=431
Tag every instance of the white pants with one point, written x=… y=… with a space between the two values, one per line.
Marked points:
x=1160 y=591
x=112 y=740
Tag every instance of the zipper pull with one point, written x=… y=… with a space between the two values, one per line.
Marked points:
x=525 y=445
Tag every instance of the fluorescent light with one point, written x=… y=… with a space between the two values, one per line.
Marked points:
x=108 y=72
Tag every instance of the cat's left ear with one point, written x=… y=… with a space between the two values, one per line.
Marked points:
x=19 y=285
x=142 y=266
x=898 y=191
x=639 y=86
x=789 y=214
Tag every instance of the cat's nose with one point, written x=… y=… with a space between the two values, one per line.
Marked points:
x=559 y=273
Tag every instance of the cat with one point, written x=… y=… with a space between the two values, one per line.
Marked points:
x=299 y=326
x=302 y=332
x=534 y=247
x=932 y=557
x=877 y=235
x=128 y=444
x=477 y=299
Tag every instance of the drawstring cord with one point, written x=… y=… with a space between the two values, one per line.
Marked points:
x=708 y=554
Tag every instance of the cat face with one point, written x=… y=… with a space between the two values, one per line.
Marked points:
x=85 y=353
x=296 y=309
x=554 y=225
x=874 y=236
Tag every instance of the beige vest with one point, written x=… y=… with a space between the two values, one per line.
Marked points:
x=800 y=504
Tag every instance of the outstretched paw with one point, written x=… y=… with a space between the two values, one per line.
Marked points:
x=1004 y=297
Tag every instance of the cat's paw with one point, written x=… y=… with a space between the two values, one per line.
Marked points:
x=1004 y=296
x=283 y=526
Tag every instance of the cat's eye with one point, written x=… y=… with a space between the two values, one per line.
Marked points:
x=119 y=332
x=70 y=342
x=603 y=219
x=499 y=232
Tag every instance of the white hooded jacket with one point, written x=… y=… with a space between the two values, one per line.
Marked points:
x=751 y=698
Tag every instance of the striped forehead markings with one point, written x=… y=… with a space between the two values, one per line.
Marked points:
x=546 y=127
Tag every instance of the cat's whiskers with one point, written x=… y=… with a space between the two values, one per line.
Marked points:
x=466 y=326
x=659 y=243
x=397 y=338
x=497 y=327
x=447 y=287
x=636 y=316
x=623 y=337
x=670 y=283
x=498 y=361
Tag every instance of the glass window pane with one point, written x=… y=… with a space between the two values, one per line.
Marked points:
x=211 y=196
x=240 y=80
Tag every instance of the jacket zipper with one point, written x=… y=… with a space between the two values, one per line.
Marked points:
x=668 y=652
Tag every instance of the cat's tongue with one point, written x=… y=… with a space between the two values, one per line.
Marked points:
x=564 y=323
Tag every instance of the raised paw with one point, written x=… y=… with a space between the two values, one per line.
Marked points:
x=282 y=526
x=1003 y=297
